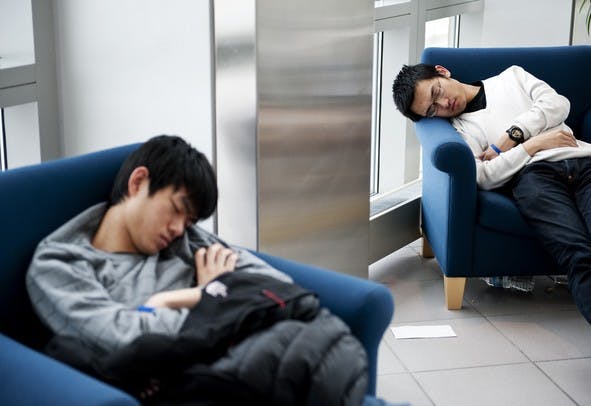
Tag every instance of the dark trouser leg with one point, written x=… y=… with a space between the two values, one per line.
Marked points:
x=549 y=196
x=580 y=280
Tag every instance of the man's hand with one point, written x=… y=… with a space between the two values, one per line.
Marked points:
x=504 y=143
x=549 y=140
x=210 y=263
x=213 y=261
x=488 y=154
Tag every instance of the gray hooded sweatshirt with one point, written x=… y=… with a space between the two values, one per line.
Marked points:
x=78 y=290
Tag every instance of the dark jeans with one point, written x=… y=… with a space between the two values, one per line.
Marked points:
x=555 y=199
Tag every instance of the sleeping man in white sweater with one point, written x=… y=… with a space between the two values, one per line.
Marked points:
x=514 y=125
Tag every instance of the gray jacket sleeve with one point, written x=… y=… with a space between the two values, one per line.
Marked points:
x=68 y=297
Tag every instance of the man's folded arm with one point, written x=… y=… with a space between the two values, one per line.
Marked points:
x=71 y=301
x=549 y=109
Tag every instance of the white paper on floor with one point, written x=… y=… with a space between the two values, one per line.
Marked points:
x=405 y=332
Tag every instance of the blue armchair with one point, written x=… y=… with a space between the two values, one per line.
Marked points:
x=35 y=201
x=476 y=233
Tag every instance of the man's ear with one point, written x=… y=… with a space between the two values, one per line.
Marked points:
x=443 y=71
x=139 y=177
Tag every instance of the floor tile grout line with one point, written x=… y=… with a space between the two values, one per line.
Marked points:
x=555 y=383
x=395 y=355
x=528 y=313
x=423 y=389
x=500 y=364
x=528 y=361
x=411 y=374
x=406 y=371
x=531 y=361
x=428 y=371
x=515 y=344
x=563 y=359
x=436 y=320
x=531 y=313
x=508 y=339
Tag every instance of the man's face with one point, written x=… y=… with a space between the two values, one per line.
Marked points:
x=439 y=97
x=153 y=222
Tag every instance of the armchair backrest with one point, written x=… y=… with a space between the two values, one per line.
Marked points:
x=35 y=200
x=565 y=68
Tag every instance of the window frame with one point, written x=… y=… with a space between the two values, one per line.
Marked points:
x=395 y=214
x=413 y=15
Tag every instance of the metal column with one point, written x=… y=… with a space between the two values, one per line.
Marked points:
x=293 y=123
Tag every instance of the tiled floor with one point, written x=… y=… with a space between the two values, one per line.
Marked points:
x=511 y=348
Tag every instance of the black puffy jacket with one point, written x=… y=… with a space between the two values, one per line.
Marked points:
x=252 y=339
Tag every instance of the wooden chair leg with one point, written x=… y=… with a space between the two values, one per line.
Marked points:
x=427 y=252
x=454 y=292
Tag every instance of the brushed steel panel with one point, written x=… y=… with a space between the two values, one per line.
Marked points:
x=293 y=127
x=314 y=126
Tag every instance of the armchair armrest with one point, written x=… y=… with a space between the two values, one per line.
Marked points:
x=449 y=194
x=30 y=378
x=367 y=307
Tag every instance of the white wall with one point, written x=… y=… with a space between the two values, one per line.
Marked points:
x=517 y=23
x=128 y=70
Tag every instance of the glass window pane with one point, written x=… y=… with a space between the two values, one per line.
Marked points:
x=396 y=153
x=21 y=135
x=16 y=33
x=393 y=127
x=375 y=112
x=440 y=33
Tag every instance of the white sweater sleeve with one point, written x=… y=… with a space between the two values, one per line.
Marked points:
x=496 y=172
x=548 y=110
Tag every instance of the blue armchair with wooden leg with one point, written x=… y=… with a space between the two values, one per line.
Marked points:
x=477 y=233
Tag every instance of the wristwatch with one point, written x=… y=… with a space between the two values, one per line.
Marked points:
x=516 y=134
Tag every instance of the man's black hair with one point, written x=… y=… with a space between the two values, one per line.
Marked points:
x=171 y=161
x=403 y=89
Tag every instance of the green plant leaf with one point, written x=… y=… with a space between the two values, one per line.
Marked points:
x=588 y=17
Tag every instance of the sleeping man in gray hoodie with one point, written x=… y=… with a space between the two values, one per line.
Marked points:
x=136 y=264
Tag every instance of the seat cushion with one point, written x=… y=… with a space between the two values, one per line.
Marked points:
x=498 y=212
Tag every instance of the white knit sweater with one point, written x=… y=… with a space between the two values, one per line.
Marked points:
x=515 y=97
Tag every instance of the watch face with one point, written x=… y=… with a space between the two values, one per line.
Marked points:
x=515 y=134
